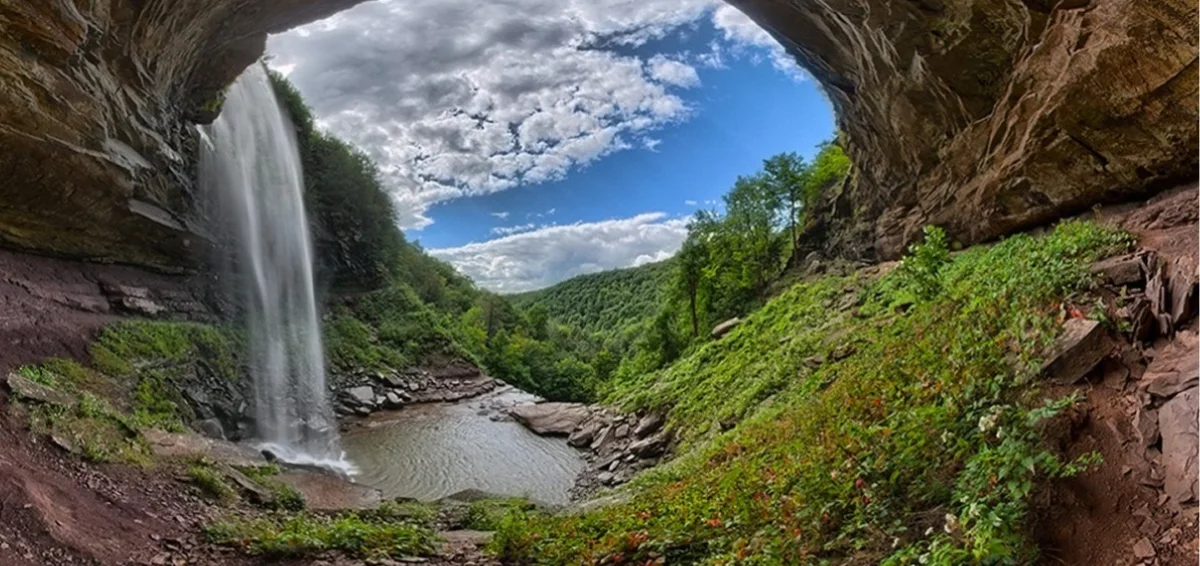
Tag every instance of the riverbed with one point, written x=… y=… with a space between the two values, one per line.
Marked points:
x=432 y=450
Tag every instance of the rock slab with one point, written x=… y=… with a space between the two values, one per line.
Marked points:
x=551 y=418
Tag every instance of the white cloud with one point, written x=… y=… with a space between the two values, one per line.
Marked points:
x=539 y=258
x=690 y=203
x=506 y=230
x=457 y=98
x=500 y=215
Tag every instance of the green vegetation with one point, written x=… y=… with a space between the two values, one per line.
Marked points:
x=138 y=368
x=490 y=514
x=602 y=303
x=285 y=497
x=893 y=421
x=211 y=483
x=306 y=534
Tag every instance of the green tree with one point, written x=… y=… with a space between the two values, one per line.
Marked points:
x=787 y=176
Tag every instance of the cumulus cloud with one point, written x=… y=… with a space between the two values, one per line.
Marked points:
x=506 y=230
x=539 y=258
x=500 y=215
x=458 y=98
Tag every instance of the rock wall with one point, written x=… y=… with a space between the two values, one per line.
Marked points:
x=54 y=307
x=988 y=116
x=95 y=100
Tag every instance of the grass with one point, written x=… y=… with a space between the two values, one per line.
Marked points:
x=137 y=372
x=211 y=483
x=887 y=422
x=490 y=514
x=286 y=497
x=307 y=534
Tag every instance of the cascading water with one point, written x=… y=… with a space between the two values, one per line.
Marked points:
x=250 y=163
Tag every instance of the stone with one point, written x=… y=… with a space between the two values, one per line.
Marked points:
x=1174 y=369
x=393 y=399
x=362 y=395
x=650 y=447
x=987 y=121
x=1143 y=549
x=604 y=439
x=30 y=390
x=255 y=492
x=1145 y=425
x=622 y=430
x=724 y=328
x=605 y=478
x=550 y=418
x=1120 y=271
x=210 y=428
x=1080 y=348
x=583 y=435
x=325 y=491
x=1177 y=420
x=648 y=424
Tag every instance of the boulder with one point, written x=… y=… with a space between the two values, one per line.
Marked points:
x=648 y=424
x=210 y=428
x=622 y=430
x=604 y=439
x=1079 y=349
x=393 y=400
x=583 y=435
x=650 y=447
x=1174 y=369
x=30 y=390
x=1121 y=271
x=550 y=418
x=1177 y=421
x=724 y=328
x=362 y=395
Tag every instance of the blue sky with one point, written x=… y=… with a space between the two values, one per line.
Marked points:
x=528 y=141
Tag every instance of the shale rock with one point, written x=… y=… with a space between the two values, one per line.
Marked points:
x=550 y=418
x=1079 y=349
x=988 y=116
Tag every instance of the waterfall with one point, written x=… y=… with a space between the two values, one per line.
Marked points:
x=250 y=164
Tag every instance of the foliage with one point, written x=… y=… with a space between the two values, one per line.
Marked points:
x=489 y=514
x=602 y=303
x=354 y=220
x=308 y=534
x=211 y=483
x=818 y=431
x=285 y=497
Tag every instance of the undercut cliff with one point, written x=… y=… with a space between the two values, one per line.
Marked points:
x=988 y=116
x=96 y=155
x=982 y=116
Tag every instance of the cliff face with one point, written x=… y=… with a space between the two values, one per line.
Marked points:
x=95 y=98
x=983 y=116
x=986 y=116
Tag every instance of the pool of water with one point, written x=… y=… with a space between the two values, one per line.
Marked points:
x=430 y=451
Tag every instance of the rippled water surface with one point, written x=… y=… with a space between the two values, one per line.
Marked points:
x=431 y=451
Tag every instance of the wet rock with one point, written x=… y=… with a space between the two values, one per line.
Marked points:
x=362 y=395
x=253 y=491
x=605 y=478
x=28 y=389
x=393 y=400
x=622 y=430
x=325 y=491
x=1078 y=350
x=550 y=418
x=647 y=425
x=210 y=428
x=724 y=328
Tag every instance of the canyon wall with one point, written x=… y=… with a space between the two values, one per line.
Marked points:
x=96 y=152
x=988 y=116
x=983 y=116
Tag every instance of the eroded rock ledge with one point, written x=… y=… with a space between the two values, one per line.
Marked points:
x=989 y=116
x=95 y=101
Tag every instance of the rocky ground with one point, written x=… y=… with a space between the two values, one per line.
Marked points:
x=363 y=393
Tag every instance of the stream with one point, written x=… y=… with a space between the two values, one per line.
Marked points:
x=429 y=451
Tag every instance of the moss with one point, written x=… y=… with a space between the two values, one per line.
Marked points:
x=869 y=434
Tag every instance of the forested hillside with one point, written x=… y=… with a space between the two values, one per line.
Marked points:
x=604 y=302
